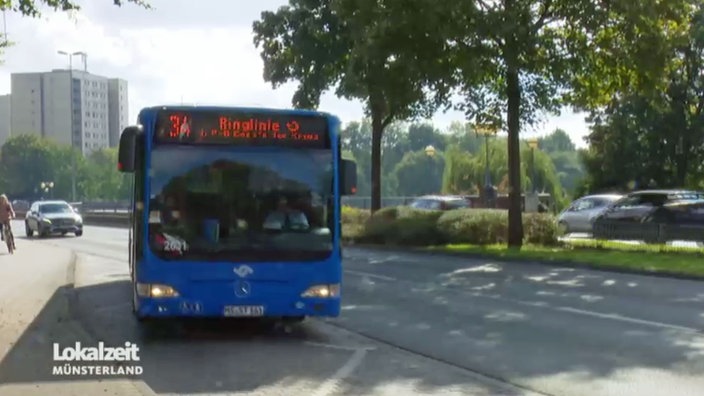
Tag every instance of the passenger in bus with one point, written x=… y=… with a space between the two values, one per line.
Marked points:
x=286 y=218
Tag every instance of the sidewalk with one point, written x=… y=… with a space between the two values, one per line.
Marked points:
x=34 y=314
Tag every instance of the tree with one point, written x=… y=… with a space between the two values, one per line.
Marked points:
x=464 y=171
x=520 y=58
x=644 y=136
x=558 y=140
x=25 y=162
x=422 y=135
x=100 y=181
x=419 y=173
x=31 y=7
x=364 y=50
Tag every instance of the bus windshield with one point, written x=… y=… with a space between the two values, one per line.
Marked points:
x=243 y=204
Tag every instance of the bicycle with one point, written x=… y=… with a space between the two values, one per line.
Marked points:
x=9 y=237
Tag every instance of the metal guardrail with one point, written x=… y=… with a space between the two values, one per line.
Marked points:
x=361 y=202
x=648 y=232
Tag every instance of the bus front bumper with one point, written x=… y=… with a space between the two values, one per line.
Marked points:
x=273 y=308
x=163 y=301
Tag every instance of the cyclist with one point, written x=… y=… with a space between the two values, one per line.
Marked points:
x=6 y=214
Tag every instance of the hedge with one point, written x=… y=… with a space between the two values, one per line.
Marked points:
x=407 y=226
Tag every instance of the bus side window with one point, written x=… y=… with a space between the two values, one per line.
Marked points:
x=139 y=196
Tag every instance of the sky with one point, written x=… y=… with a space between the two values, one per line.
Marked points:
x=183 y=51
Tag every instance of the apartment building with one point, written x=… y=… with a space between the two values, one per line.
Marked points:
x=41 y=104
x=118 y=111
x=4 y=117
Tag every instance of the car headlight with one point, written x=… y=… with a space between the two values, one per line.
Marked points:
x=323 y=291
x=79 y=220
x=156 y=290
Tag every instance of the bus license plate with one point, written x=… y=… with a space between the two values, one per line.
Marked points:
x=244 y=310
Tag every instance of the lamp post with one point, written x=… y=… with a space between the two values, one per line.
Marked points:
x=533 y=144
x=47 y=187
x=489 y=192
x=74 y=139
x=487 y=132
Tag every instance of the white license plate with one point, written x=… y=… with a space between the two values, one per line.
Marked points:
x=244 y=310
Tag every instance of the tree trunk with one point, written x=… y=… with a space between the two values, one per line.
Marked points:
x=377 y=132
x=682 y=159
x=515 y=218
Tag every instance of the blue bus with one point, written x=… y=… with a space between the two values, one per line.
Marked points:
x=235 y=212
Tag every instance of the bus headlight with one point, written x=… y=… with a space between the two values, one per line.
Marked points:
x=156 y=290
x=323 y=291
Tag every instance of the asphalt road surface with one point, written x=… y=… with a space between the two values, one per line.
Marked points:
x=411 y=324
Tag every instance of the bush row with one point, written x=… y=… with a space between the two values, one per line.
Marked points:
x=403 y=225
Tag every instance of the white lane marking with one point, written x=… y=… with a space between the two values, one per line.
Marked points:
x=627 y=319
x=561 y=308
x=361 y=273
x=339 y=347
x=585 y=312
x=331 y=385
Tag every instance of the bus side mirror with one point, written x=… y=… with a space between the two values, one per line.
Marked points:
x=348 y=177
x=127 y=153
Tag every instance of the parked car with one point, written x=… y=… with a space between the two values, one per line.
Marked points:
x=52 y=217
x=440 y=202
x=662 y=207
x=579 y=216
x=636 y=206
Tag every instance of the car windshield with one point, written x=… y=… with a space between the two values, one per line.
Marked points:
x=253 y=204
x=55 y=208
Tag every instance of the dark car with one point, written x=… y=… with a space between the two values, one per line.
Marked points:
x=661 y=207
x=440 y=202
x=52 y=217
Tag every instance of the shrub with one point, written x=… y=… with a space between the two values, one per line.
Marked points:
x=403 y=226
x=413 y=227
x=540 y=229
x=353 y=221
x=475 y=226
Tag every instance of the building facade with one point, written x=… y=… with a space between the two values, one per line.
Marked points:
x=69 y=107
x=118 y=110
x=4 y=117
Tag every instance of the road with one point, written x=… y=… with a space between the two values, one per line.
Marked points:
x=411 y=324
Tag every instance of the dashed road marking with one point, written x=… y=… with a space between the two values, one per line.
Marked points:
x=374 y=276
x=339 y=347
x=331 y=385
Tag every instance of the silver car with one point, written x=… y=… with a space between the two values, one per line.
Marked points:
x=579 y=216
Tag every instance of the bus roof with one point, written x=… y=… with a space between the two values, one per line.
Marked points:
x=238 y=108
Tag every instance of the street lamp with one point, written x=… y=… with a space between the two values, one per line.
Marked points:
x=76 y=141
x=489 y=192
x=47 y=187
x=533 y=144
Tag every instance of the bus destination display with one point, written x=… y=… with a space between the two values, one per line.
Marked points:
x=270 y=129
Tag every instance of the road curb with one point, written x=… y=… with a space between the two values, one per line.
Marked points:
x=77 y=325
x=549 y=263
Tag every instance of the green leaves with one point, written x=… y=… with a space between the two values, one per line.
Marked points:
x=31 y=8
x=28 y=160
x=362 y=49
x=656 y=134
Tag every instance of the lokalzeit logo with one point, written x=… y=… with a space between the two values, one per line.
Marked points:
x=78 y=353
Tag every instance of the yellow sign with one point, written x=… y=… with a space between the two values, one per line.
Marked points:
x=485 y=129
